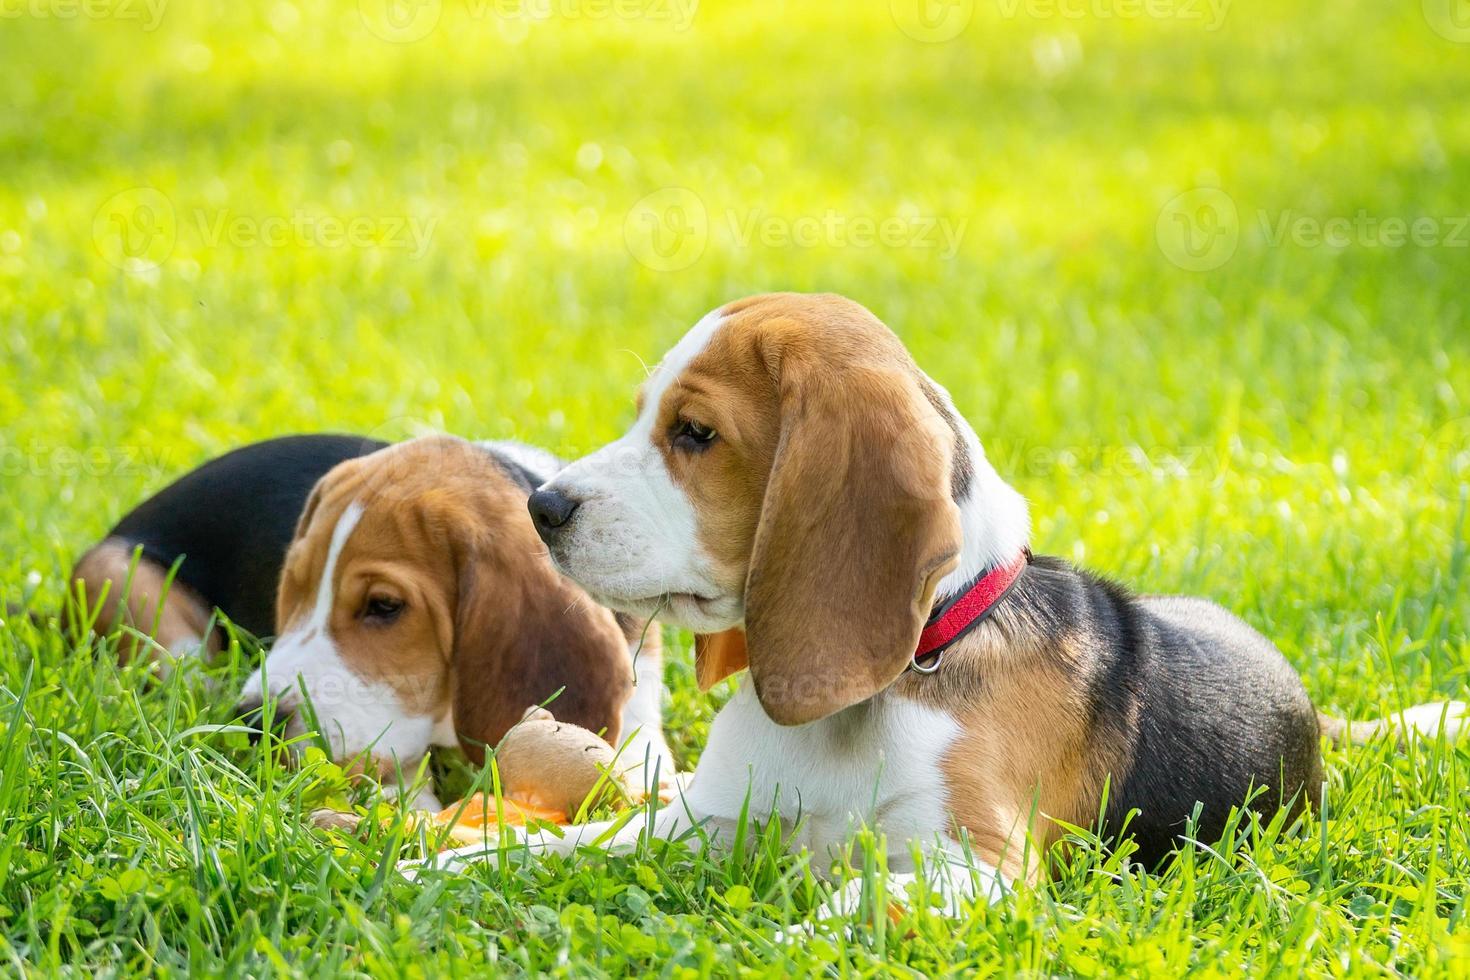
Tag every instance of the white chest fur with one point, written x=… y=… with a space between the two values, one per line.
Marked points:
x=876 y=764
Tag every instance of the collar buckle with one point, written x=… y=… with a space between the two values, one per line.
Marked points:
x=964 y=611
x=925 y=669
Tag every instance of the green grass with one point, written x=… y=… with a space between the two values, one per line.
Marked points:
x=1285 y=432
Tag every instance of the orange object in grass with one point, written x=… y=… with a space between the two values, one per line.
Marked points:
x=477 y=815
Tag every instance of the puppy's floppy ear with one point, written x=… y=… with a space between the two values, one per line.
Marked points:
x=856 y=529
x=308 y=512
x=343 y=474
x=313 y=501
x=520 y=635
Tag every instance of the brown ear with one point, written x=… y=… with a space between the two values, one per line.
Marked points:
x=718 y=655
x=522 y=634
x=856 y=529
x=308 y=511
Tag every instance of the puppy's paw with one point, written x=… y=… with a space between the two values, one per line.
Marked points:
x=454 y=860
x=673 y=786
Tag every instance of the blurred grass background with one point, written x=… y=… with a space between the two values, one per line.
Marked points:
x=221 y=222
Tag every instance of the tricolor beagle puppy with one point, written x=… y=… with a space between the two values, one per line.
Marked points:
x=410 y=598
x=805 y=499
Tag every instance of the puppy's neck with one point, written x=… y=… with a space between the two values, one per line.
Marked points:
x=994 y=520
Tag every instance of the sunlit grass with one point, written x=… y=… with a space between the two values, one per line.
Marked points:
x=1285 y=432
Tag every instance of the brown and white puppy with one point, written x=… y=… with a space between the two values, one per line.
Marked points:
x=796 y=491
x=413 y=604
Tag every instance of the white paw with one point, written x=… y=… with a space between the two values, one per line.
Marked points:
x=453 y=860
x=1428 y=720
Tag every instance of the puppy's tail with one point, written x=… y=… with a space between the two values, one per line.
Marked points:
x=1452 y=718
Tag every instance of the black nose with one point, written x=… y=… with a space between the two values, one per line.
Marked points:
x=251 y=714
x=550 y=510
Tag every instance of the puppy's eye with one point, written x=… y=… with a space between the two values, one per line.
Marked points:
x=382 y=609
x=692 y=437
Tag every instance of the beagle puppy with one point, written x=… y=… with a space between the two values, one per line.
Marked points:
x=412 y=603
x=797 y=492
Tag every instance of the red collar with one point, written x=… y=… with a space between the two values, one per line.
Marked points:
x=964 y=611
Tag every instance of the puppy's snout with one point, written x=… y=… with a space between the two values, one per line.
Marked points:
x=251 y=713
x=550 y=511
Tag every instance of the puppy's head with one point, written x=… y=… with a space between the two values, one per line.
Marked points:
x=416 y=605
x=785 y=492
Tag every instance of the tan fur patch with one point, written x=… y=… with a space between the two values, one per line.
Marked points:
x=718 y=656
x=108 y=571
x=1029 y=755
